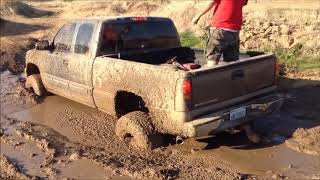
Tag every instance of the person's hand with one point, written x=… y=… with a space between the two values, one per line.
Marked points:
x=196 y=20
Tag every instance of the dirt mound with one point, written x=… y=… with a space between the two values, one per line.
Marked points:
x=272 y=33
x=12 y=55
x=10 y=7
x=113 y=8
x=306 y=141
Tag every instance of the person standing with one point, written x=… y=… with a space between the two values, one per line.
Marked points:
x=224 y=30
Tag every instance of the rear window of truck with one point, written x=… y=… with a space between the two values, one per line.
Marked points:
x=137 y=35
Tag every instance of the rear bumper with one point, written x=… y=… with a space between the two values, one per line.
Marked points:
x=219 y=121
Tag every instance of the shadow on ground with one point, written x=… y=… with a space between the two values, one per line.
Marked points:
x=9 y=28
x=20 y=8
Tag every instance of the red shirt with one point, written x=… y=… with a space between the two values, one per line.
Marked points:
x=227 y=14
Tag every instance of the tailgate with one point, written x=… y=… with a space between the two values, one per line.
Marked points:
x=217 y=84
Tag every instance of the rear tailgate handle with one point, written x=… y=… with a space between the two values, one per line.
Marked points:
x=237 y=74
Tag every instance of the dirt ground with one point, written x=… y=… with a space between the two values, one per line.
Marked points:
x=56 y=138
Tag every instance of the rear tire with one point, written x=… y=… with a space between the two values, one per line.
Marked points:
x=136 y=128
x=34 y=83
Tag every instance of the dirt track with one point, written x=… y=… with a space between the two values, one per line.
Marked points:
x=58 y=138
x=53 y=137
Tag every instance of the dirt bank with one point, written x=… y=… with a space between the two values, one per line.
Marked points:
x=14 y=7
x=306 y=141
x=20 y=26
x=294 y=29
x=9 y=170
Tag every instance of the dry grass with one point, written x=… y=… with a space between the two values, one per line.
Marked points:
x=295 y=11
x=301 y=16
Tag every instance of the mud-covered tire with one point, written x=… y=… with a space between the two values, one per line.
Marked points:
x=136 y=128
x=34 y=82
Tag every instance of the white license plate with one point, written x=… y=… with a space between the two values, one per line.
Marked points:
x=237 y=113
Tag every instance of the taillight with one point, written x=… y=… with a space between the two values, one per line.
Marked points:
x=277 y=68
x=186 y=89
x=276 y=71
x=139 y=19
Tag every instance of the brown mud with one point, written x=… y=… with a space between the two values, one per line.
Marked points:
x=306 y=141
x=55 y=136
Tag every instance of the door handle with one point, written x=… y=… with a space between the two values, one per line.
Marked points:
x=65 y=62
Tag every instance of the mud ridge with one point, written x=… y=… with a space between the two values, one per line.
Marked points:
x=9 y=170
x=13 y=7
x=306 y=141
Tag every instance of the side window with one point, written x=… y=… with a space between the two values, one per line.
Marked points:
x=63 y=39
x=110 y=36
x=83 y=39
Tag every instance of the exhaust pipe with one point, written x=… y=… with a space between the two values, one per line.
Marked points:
x=179 y=140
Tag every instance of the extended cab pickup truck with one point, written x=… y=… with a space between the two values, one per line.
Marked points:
x=134 y=68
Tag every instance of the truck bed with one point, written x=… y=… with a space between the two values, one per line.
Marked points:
x=201 y=60
x=253 y=72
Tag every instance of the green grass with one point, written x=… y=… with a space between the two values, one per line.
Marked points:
x=188 y=39
x=296 y=58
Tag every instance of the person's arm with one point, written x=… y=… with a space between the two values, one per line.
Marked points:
x=207 y=9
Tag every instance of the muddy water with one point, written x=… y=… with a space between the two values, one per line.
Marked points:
x=235 y=150
x=261 y=160
x=50 y=112
x=80 y=169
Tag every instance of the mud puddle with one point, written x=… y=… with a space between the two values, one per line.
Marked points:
x=49 y=113
x=93 y=131
x=70 y=127
x=265 y=160
x=29 y=136
x=29 y=161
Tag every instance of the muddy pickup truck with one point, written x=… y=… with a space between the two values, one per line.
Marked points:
x=135 y=69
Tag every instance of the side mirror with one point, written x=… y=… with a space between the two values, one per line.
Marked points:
x=43 y=45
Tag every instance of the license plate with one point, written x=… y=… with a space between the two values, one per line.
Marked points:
x=237 y=113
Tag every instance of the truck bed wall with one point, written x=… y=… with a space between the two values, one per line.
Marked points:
x=181 y=54
x=155 y=84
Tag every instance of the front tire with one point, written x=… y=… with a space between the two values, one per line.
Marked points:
x=136 y=128
x=34 y=83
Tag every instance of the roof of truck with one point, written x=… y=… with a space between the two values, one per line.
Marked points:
x=106 y=18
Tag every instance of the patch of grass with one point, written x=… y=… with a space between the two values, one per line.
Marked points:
x=45 y=16
x=188 y=39
x=296 y=59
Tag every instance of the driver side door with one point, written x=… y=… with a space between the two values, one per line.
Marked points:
x=56 y=76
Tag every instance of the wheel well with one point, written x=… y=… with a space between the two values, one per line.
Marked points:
x=32 y=69
x=126 y=102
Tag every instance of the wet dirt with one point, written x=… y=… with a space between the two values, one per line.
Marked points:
x=80 y=128
x=69 y=119
x=263 y=160
x=306 y=141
